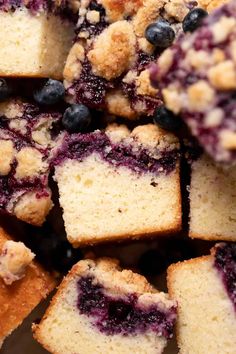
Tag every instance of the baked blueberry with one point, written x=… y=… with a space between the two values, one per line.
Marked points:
x=76 y=118
x=166 y=119
x=51 y=93
x=193 y=19
x=4 y=90
x=160 y=34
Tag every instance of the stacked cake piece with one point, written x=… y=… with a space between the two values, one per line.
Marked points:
x=35 y=37
x=100 y=308
x=119 y=184
x=205 y=290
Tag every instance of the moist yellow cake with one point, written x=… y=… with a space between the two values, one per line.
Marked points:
x=35 y=38
x=100 y=308
x=212 y=201
x=19 y=299
x=25 y=142
x=119 y=184
x=205 y=290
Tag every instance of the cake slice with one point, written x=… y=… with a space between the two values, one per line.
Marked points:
x=107 y=67
x=197 y=77
x=35 y=37
x=118 y=184
x=100 y=308
x=19 y=299
x=26 y=137
x=212 y=201
x=205 y=290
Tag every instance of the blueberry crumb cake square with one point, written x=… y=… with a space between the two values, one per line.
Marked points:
x=23 y=284
x=100 y=308
x=205 y=290
x=118 y=184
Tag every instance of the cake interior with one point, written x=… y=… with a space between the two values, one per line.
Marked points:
x=206 y=317
x=121 y=315
x=212 y=201
x=29 y=36
x=107 y=179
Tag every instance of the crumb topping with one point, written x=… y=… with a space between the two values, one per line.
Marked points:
x=14 y=259
x=197 y=77
x=107 y=66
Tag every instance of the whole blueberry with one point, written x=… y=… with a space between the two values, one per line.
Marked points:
x=4 y=90
x=160 y=34
x=76 y=118
x=51 y=93
x=193 y=19
x=166 y=119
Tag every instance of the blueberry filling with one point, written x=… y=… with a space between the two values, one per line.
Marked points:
x=225 y=262
x=122 y=315
x=148 y=103
x=90 y=89
x=139 y=160
x=92 y=29
x=10 y=186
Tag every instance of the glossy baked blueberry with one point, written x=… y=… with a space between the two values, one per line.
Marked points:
x=4 y=90
x=166 y=119
x=51 y=93
x=193 y=19
x=160 y=34
x=76 y=118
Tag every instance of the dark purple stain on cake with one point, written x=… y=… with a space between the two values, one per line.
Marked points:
x=132 y=156
x=10 y=186
x=122 y=315
x=148 y=103
x=92 y=29
x=89 y=89
x=225 y=262
x=32 y=115
x=179 y=74
x=36 y=6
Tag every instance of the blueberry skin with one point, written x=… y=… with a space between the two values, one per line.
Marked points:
x=4 y=90
x=160 y=34
x=193 y=19
x=51 y=93
x=76 y=118
x=166 y=119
